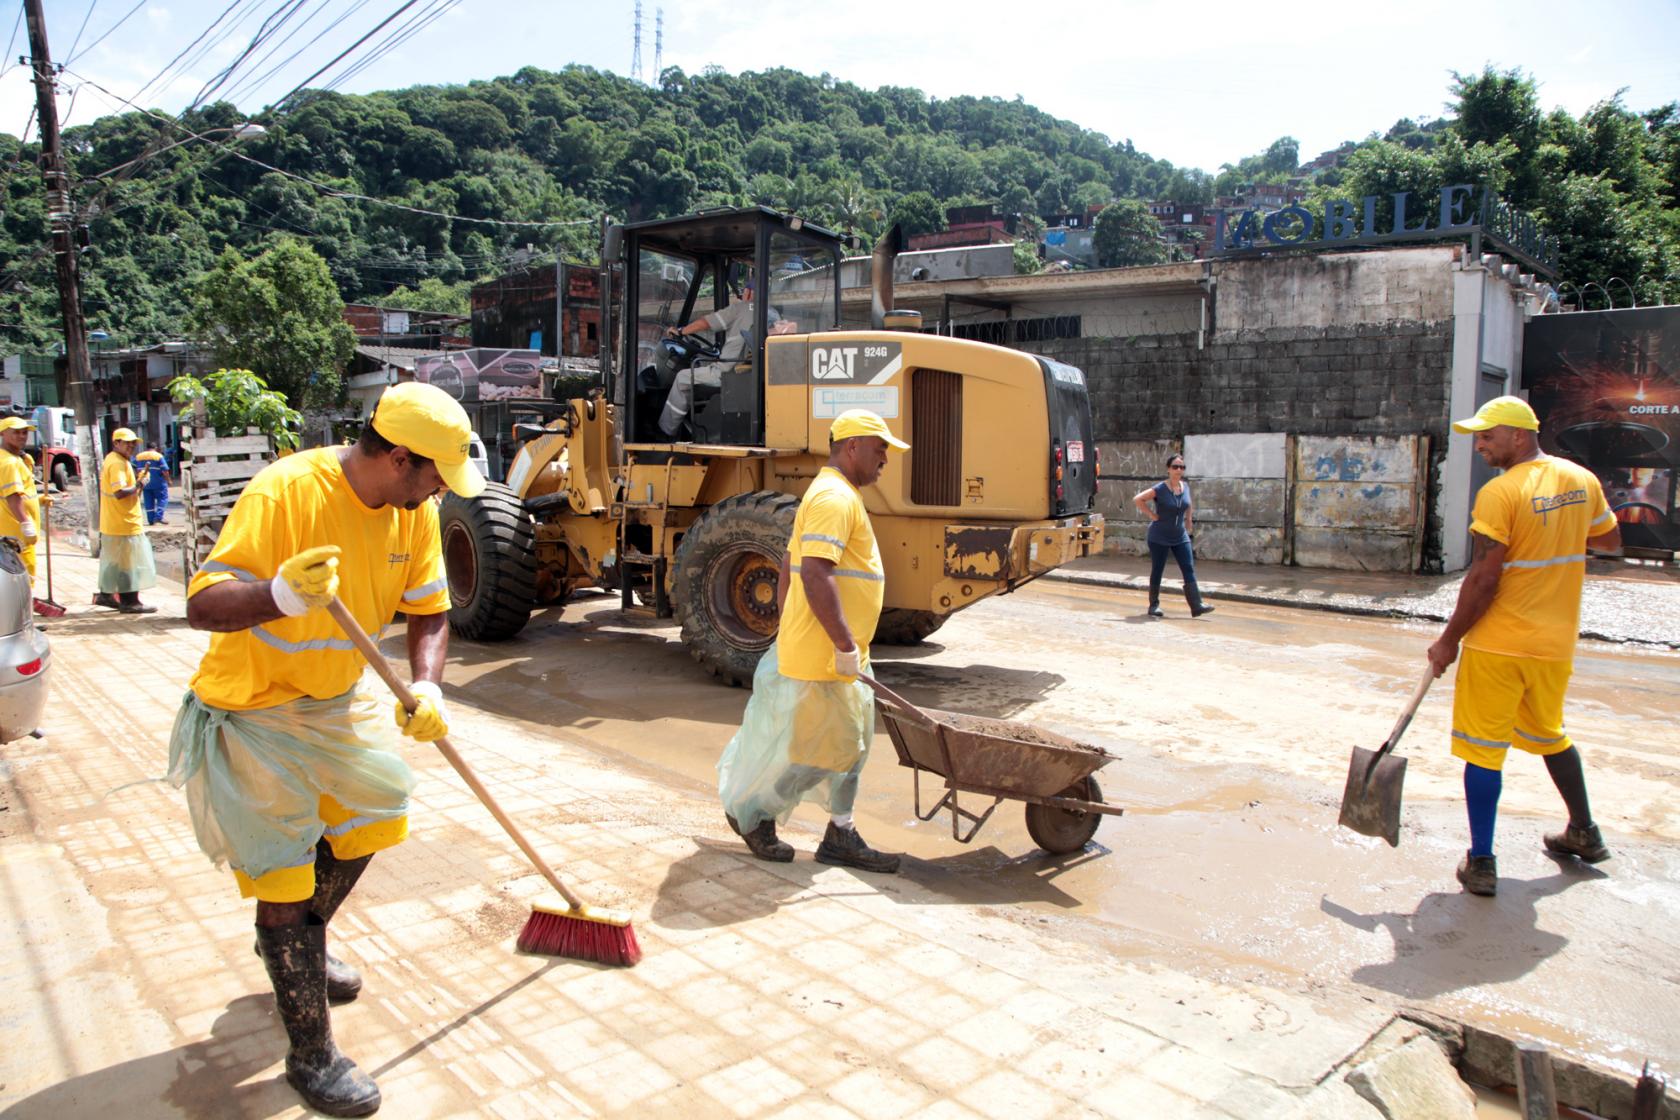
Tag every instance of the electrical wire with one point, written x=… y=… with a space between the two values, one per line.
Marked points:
x=416 y=25
x=8 y=67
x=269 y=26
x=341 y=55
x=103 y=37
x=92 y=4
x=251 y=85
x=225 y=12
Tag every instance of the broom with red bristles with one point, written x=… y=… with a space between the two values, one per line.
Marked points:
x=573 y=928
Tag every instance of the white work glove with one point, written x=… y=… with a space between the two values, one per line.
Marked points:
x=27 y=527
x=307 y=581
x=430 y=722
x=848 y=662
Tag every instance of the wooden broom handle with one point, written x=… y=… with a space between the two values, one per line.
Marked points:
x=353 y=630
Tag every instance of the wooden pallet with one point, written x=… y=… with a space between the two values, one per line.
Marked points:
x=213 y=480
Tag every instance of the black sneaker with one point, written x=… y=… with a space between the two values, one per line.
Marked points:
x=843 y=847
x=106 y=599
x=763 y=842
x=1479 y=874
x=1585 y=844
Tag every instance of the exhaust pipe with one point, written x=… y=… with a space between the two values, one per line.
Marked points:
x=881 y=276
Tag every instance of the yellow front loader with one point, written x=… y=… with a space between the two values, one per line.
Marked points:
x=997 y=488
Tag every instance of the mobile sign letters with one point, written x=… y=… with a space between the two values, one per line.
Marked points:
x=1455 y=211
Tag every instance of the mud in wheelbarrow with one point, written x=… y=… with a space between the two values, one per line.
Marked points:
x=1004 y=760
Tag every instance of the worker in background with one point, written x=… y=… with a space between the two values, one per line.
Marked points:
x=736 y=320
x=154 y=483
x=807 y=728
x=291 y=769
x=126 y=567
x=1518 y=615
x=20 y=501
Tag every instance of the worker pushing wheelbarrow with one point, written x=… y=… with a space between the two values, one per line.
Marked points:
x=1004 y=760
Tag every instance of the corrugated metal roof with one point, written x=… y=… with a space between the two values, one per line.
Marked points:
x=398 y=356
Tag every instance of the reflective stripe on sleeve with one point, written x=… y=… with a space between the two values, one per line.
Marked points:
x=1581 y=559
x=823 y=538
x=425 y=590
x=239 y=573
x=1605 y=516
x=850 y=573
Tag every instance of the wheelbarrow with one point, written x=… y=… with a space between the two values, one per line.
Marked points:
x=1005 y=760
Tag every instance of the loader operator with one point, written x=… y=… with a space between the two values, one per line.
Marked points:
x=291 y=771
x=737 y=320
x=806 y=731
x=20 y=502
x=1518 y=614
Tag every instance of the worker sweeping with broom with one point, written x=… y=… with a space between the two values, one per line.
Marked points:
x=20 y=502
x=291 y=768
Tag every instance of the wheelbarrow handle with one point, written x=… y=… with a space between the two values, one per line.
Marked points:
x=897 y=701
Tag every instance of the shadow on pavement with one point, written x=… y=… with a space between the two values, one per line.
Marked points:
x=1455 y=941
x=210 y=1077
x=720 y=884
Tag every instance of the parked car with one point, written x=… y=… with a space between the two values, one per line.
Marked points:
x=25 y=659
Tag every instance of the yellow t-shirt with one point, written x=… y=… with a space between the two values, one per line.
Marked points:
x=831 y=524
x=119 y=517
x=1543 y=511
x=17 y=476
x=392 y=560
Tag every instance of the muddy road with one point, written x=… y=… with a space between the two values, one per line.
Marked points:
x=1233 y=733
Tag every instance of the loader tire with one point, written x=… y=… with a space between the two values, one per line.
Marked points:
x=491 y=563
x=724 y=590
x=61 y=476
x=900 y=626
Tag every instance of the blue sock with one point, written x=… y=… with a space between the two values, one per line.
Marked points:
x=1481 y=792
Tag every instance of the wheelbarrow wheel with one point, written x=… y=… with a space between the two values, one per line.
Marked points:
x=1059 y=831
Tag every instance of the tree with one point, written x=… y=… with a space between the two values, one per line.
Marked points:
x=236 y=399
x=1126 y=233
x=279 y=315
x=917 y=212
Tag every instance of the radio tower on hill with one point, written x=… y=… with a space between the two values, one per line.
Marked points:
x=658 y=42
x=636 y=55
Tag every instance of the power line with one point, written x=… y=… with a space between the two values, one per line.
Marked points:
x=251 y=85
x=92 y=4
x=341 y=55
x=416 y=25
x=225 y=12
x=107 y=34
x=12 y=42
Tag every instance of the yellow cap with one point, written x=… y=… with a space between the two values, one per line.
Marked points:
x=1512 y=412
x=12 y=423
x=431 y=423
x=124 y=435
x=862 y=422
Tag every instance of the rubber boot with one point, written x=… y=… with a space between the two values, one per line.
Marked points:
x=128 y=602
x=1193 y=596
x=334 y=878
x=330 y=1083
x=1155 y=603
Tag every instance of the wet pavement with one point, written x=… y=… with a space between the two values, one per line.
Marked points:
x=1622 y=601
x=1217 y=951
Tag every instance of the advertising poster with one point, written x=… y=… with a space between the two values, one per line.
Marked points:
x=1606 y=386
x=483 y=374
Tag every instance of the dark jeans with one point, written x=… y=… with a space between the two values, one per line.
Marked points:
x=1186 y=564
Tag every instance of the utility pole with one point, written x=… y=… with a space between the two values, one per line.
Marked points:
x=77 y=384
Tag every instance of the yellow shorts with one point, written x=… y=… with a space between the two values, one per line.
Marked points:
x=1501 y=701
x=348 y=840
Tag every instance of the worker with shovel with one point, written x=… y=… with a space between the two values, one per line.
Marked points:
x=290 y=768
x=806 y=731
x=1518 y=615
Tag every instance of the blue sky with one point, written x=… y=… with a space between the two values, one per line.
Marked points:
x=1198 y=84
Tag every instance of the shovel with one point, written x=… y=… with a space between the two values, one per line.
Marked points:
x=47 y=608
x=1371 y=802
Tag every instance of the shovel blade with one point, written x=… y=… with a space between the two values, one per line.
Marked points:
x=1371 y=801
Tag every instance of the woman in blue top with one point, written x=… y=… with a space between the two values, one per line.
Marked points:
x=1170 y=525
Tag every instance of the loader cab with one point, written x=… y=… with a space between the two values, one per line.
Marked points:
x=680 y=269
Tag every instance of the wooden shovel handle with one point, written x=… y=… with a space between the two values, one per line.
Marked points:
x=1405 y=719
x=353 y=630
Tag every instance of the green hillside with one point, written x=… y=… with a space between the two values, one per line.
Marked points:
x=410 y=195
